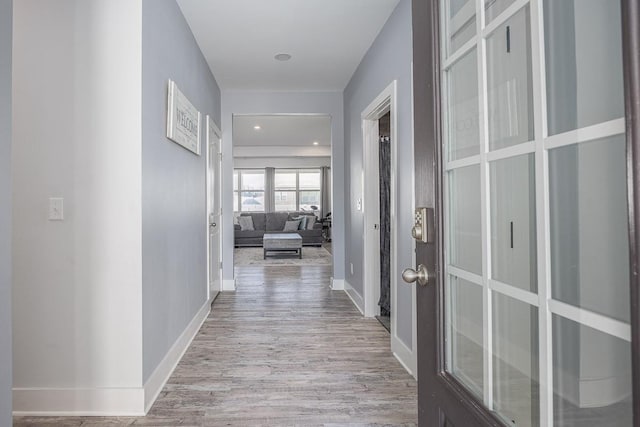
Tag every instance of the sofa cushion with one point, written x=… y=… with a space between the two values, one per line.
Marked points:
x=276 y=221
x=291 y=225
x=258 y=219
x=246 y=223
x=311 y=220
x=302 y=219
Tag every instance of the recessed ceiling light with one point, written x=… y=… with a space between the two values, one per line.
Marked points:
x=257 y=127
x=282 y=57
x=316 y=143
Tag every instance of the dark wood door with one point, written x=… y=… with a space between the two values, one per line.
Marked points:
x=445 y=398
x=442 y=400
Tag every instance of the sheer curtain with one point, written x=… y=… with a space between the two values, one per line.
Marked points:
x=269 y=189
x=325 y=191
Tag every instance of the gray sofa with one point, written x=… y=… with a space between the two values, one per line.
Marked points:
x=273 y=222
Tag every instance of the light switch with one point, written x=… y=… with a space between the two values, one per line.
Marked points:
x=56 y=209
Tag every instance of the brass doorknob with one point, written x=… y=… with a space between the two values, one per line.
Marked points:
x=421 y=275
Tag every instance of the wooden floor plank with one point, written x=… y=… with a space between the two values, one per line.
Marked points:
x=283 y=349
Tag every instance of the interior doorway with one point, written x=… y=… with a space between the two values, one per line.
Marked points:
x=376 y=255
x=214 y=208
x=282 y=191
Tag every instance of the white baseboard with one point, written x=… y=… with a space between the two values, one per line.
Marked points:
x=107 y=402
x=405 y=356
x=337 y=284
x=358 y=301
x=163 y=371
x=76 y=402
x=229 y=285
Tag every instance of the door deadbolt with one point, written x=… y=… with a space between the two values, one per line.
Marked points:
x=421 y=275
x=423 y=229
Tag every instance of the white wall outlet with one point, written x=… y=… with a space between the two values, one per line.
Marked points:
x=351 y=264
x=359 y=204
x=56 y=209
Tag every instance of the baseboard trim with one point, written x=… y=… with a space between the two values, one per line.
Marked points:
x=163 y=371
x=337 y=284
x=107 y=402
x=357 y=300
x=404 y=355
x=228 y=285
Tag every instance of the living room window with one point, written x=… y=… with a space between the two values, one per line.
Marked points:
x=292 y=190
x=248 y=190
x=286 y=190
x=297 y=190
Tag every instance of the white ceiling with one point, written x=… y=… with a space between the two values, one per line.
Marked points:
x=281 y=135
x=326 y=38
x=281 y=130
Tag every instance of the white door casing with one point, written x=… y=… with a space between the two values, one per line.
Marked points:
x=385 y=102
x=214 y=208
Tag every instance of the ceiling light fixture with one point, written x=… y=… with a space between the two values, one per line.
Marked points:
x=316 y=143
x=282 y=57
x=257 y=127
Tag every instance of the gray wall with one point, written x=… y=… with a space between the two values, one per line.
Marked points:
x=6 y=18
x=388 y=59
x=174 y=265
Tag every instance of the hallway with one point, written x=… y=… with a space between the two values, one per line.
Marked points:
x=282 y=350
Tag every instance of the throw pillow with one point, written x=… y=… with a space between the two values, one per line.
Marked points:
x=291 y=225
x=311 y=220
x=246 y=223
x=303 y=222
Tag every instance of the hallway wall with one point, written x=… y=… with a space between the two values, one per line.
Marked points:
x=174 y=264
x=388 y=59
x=247 y=102
x=6 y=15
x=77 y=130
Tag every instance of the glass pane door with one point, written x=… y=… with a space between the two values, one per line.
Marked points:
x=537 y=251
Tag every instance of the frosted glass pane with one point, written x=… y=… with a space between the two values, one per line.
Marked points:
x=463 y=108
x=583 y=63
x=465 y=242
x=494 y=8
x=513 y=222
x=589 y=232
x=509 y=83
x=466 y=336
x=461 y=23
x=515 y=361
x=591 y=377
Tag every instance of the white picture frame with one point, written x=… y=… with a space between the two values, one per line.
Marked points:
x=183 y=120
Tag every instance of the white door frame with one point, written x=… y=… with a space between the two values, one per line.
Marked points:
x=385 y=102
x=212 y=130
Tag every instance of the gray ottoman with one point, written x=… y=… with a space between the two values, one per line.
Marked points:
x=282 y=242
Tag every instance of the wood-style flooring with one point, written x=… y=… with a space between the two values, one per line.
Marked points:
x=282 y=350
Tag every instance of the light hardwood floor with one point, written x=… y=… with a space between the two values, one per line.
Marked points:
x=282 y=350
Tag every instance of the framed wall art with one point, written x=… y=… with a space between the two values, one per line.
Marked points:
x=183 y=120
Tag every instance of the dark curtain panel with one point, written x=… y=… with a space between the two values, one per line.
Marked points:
x=385 y=226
